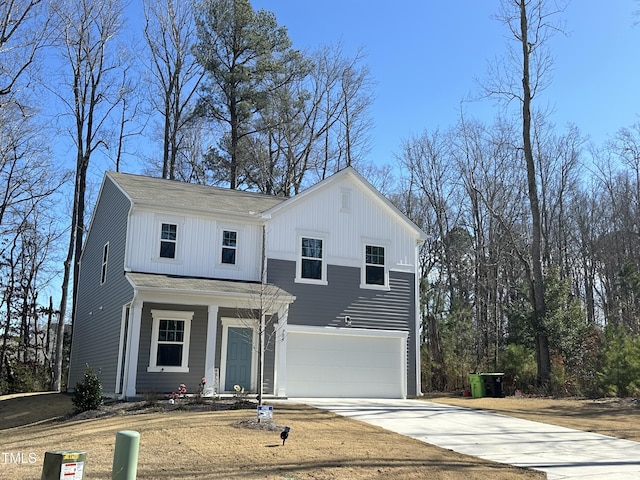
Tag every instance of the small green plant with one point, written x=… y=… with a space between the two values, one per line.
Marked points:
x=88 y=393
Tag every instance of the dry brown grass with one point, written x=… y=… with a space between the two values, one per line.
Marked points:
x=207 y=445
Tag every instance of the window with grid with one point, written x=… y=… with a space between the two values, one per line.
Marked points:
x=311 y=258
x=374 y=265
x=170 y=343
x=170 y=334
x=168 y=240
x=229 y=247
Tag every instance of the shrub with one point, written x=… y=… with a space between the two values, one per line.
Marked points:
x=25 y=377
x=619 y=371
x=88 y=393
x=519 y=366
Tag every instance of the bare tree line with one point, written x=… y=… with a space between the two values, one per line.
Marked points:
x=465 y=186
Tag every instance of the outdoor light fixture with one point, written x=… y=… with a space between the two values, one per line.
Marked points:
x=284 y=434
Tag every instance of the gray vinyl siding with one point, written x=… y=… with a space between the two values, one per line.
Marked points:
x=96 y=331
x=327 y=305
x=270 y=356
x=167 y=382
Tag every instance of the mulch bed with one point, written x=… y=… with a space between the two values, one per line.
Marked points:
x=113 y=408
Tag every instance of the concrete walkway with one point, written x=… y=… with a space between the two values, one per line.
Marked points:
x=560 y=452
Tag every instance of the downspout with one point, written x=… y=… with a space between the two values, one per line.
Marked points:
x=418 y=336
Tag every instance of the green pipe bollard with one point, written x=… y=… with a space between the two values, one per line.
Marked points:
x=125 y=456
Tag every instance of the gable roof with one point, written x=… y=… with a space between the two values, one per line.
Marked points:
x=159 y=192
x=366 y=186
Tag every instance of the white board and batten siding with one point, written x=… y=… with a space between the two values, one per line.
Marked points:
x=194 y=234
x=347 y=216
x=334 y=362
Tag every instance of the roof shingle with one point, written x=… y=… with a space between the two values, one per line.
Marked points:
x=161 y=192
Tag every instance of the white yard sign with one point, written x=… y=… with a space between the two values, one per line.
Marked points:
x=265 y=412
x=71 y=471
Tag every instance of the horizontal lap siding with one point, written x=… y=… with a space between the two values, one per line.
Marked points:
x=165 y=382
x=327 y=305
x=96 y=331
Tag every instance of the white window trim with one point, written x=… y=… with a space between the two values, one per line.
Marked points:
x=244 y=323
x=179 y=222
x=323 y=276
x=158 y=315
x=363 y=268
x=105 y=261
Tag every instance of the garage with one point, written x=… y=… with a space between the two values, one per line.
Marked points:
x=339 y=362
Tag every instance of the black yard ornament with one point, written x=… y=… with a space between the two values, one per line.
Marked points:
x=284 y=434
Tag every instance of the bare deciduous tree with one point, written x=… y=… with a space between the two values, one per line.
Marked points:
x=23 y=32
x=175 y=75
x=523 y=74
x=86 y=31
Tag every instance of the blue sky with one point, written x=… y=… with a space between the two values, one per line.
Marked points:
x=426 y=54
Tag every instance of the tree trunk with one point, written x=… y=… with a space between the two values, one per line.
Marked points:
x=537 y=288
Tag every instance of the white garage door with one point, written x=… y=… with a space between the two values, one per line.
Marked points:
x=327 y=362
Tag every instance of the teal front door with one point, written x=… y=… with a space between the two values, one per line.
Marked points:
x=239 y=353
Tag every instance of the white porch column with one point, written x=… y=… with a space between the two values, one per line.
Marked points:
x=280 y=374
x=133 y=347
x=210 y=355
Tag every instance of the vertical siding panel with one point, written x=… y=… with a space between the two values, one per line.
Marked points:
x=196 y=234
x=367 y=219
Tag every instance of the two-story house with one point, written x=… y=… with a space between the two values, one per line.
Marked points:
x=180 y=281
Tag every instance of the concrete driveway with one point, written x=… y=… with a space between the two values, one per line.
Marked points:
x=560 y=452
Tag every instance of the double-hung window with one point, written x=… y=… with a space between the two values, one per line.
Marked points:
x=374 y=266
x=311 y=258
x=312 y=267
x=168 y=240
x=229 y=247
x=170 y=334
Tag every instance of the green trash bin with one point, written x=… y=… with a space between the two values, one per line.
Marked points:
x=477 y=385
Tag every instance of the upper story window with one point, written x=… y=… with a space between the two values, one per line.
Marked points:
x=311 y=258
x=168 y=240
x=105 y=258
x=375 y=273
x=229 y=247
x=170 y=335
x=311 y=264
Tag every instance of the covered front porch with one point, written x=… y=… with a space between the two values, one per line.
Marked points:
x=178 y=330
